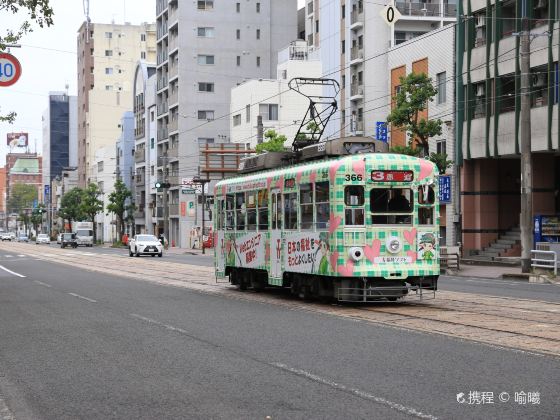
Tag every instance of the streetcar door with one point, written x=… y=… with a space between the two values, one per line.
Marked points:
x=219 y=245
x=276 y=235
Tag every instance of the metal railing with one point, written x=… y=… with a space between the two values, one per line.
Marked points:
x=356 y=53
x=544 y=259
x=356 y=17
x=356 y=89
x=140 y=156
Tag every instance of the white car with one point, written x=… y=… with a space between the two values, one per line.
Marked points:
x=43 y=238
x=6 y=236
x=145 y=245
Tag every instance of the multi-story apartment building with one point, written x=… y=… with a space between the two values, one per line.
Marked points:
x=145 y=159
x=432 y=54
x=125 y=165
x=354 y=41
x=272 y=99
x=107 y=56
x=205 y=48
x=489 y=117
x=60 y=137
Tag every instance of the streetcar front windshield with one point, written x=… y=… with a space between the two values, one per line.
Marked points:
x=391 y=206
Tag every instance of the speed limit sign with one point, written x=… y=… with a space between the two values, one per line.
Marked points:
x=10 y=69
x=390 y=13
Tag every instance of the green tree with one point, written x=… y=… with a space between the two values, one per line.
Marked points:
x=416 y=91
x=37 y=217
x=406 y=150
x=120 y=204
x=274 y=143
x=440 y=159
x=71 y=206
x=39 y=12
x=91 y=205
x=21 y=197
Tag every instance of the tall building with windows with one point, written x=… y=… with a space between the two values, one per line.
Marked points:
x=107 y=56
x=354 y=41
x=204 y=48
x=489 y=120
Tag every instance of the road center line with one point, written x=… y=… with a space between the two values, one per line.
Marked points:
x=41 y=283
x=362 y=394
x=357 y=392
x=82 y=297
x=11 y=272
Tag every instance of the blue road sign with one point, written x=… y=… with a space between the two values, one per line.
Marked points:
x=47 y=190
x=35 y=203
x=445 y=189
x=381 y=131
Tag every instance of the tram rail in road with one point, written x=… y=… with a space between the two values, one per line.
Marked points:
x=521 y=324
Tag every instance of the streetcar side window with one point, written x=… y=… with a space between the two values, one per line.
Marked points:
x=391 y=206
x=221 y=215
x=251 y=206
x=322 y=206
x=276 y=211
x=263 y=209
x=230 y=212
x=426 y=199
x=306 y=203
x=291 y=211
x=240 y=211
x=354 y=202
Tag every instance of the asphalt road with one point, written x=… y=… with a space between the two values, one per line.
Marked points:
x=79 y=345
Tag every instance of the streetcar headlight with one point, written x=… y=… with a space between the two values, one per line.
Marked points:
x=393 y=245
x=356 y=253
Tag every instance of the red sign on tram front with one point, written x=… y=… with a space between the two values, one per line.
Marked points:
x=392 y=176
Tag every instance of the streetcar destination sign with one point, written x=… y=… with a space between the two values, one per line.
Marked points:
x=10 y=69
x=392 y=176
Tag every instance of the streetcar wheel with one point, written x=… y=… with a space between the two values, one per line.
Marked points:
x=242 y=281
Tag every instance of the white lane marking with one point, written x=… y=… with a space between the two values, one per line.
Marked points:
x=358 y=392
x=41 y=283
x=10 y=271
x=21 y=255
x=9 y=256
x=362 y=394
x=82 y=297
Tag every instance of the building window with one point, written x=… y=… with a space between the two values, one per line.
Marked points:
x=206 y=115
x=206 y=32
x=258 y=61
x=238 y=7
x=479 y=29
x=205 y=140
x=258 y=34
x=238 y=60
x=142 y=56
x=441 y=147
x=108 y=35
x=343 y=46
x=247 y=113
x=108 y=87
x=108 y=70
x=205 y=87
x=236 y=120
x=152 y=116
x=205 y=4
x=238 y=34
x=268 y=112
x=343 y=11
x=539 y=86
x=100 y=166
x=317 y=26
x=258 y=7
x=152 y=143
x=441 y=87
x=143 y=37
x=479 y=102
x=507 y=102
x=205 y=59
x=508 y=17
x=556 y=81
x=108 y=53
x=309 y=7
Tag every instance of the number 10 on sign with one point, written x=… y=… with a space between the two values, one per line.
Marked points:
x=390 y=13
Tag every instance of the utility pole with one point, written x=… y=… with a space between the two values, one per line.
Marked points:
x=203 y=182
x=526 y=220
x=164 y=198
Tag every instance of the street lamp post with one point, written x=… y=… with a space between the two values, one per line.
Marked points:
x=203 y=182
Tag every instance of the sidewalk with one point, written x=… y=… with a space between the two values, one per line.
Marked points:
x=489 y=272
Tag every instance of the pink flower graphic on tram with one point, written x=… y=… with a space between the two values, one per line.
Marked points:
x=280 y=183
x=412 y=256
x=268 y=182
x=334 y=260
x=346 y=270
x=298 y=176
x=373 y=251
x=359 y=167
x=335 y=166
x=312 y=176
x=426 y=169
x=334 y=223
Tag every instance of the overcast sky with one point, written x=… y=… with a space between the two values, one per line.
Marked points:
x=48 y=59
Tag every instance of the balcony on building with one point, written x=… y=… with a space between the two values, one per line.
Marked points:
x=140 y=156
x=174 y=180
x=161 y=6
x=173 y=98
x=173 y=151
x=159 y=212
x=173 y=124
x=428 y=9
x=162 y=82
x=356 y=92
x=162 y=29
x=139 y=213
x=296 y=51
x=139 y=179
x=173 y=15
x=162 y=108
x=162 y=57
x=357 y=15
x=357 y=127
x=162 y=134
x=356 y=55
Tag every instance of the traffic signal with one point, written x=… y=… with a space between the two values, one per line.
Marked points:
x=160 y=185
